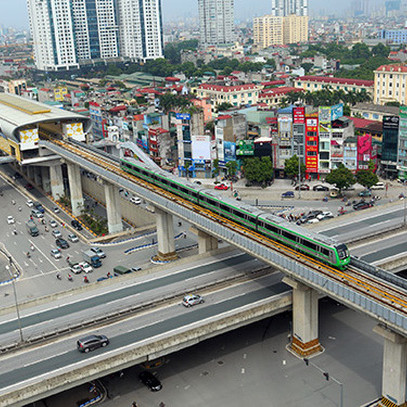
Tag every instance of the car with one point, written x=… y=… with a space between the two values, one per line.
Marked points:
x=56 y=233
x=136 y=268
x=39 y=207
x=304 y=187
x=362 y=205
x=28 y=187
x=56 y=253
x=288 y=194
x=320 y=187
x=92 y=342
x=76 y=224
x=73 y=238
x=192 y=299
x=222 y=187
x=10 y=220
x=30 y=203
x=85 y=267
x=62 y=243
x=56 y=209
x=148 y=379
x=136 y=200
x=313 y=220
x=365 y=193
x=198 y=182
x=17 y=176
x=36 y=213
x=53 y=223
x=76 y=269
x=325 y=215
x=99 y=252
x=379 y=185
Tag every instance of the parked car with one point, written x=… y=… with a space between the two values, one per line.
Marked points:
x=379 y=185
x=99 y=252
x=136 y=268
x=92 y=342
x=192 y=299
x=30 y=203
x=53 y=223
x=288 y=194
x=304 y=187
x=56 y=253
x=73 y=238
x=10 y=220
x=28 y=187
x=136 y=200
x=320 y=187
x=148 y=379
x=38 y=206
x=36 y=213
x=362 y=205
x=325 y=215
x=313 y=220
x=222 y=187
x=76 y=224
x=365 y=193
x=86 y=267
x=62 y=243
x=56 y=233
x=56 y=209
x=76 y=269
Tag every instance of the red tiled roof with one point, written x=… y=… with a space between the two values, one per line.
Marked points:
x=224 y=117
x=278 y=91
x=118 y=108
x=366 y=125
x=343 y=81
x=94 y=104
x=221 y=88
x=273 y=83
x=392 y=68
x=172 y=79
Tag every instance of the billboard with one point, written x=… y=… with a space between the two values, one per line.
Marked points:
x=201 y=147
x=284 y=123
x=390 y=123
x=336 y=111
x=29 y=139
x=324 y=114
x=245 y=148
x=74 y=130
x=299 y=115
x=183 y=116
x=229 y=151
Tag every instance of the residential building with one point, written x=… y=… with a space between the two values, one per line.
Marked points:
x=390 y=146
x=402 y=146
x=371 y=111
x=237 y=95
x=216 y=22
x=206 y=107
x=140 y=29
x=15 y=86
x=274 y=30
x=283 y=8
x=67 y=34
x=394 y=36
x=390 y=84
x=314 y=83
x=274 y=96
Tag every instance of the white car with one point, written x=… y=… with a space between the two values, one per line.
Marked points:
x=30 y=203
x=76 y=269
x=379 y=185
x=53 y=223
x=56 y=233
x=136 y=200
x=86 y=267
x=325 y=215
x=10 y=220
x=73 y=238
x=56 y=254
x=192 y=299
x=314 y=220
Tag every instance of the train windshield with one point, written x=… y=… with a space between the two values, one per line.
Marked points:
x=343 y=251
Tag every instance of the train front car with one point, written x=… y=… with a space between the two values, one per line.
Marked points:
x=343 y=255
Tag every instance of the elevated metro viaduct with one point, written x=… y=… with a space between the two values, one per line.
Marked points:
x=22 y=125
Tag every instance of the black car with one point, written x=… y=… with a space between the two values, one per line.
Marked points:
x=62 y=243
x=304 y=187
x=76 y=224
x=320 y=188
x=150 y=381
x=92 y=342
x=362 y=205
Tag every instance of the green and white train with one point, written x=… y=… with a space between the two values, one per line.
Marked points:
x=274 y=227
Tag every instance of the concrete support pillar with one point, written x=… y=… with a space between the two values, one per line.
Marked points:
x=165 y=235
x=206 y=242
x=30 y=173
x=46 y=182
x=304 y=339
x=37 y=176
x=75 y=187
x=114 y=214
x=394 y=368
x=57 y=181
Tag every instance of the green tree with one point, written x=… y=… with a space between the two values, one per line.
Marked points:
x=232 y=168
x=393 y=103
x=224 y=106
x=307 y=66
x=258 y=170
x=291 y=167
x=215 y=166
x=341 y=177
x=380 y=50
x=172 y=54
x=367 y=178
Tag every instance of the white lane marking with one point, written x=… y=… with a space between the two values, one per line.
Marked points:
x=26 y=264
x=39 y=259
x=45 y=256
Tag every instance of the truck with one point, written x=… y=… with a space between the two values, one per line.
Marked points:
x=32 y=228
x=92 y=258
x=121 y=270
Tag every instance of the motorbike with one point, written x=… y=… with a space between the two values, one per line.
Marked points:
x=28 y=254
x=59 y=276
x=70 y=277
x=85 y=280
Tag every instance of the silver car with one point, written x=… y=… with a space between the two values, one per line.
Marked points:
x=56 y=254
x=192 y=299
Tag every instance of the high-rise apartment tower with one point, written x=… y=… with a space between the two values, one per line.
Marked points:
x=216 y=22
x=282 y=8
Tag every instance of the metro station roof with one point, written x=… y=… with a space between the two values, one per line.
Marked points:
x=17 y=112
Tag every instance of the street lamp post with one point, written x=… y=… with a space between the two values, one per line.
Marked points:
x=8 y=268
x=327 y=377
x=299 y=171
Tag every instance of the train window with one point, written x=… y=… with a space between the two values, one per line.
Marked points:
x=324 y=251
x=272 y=228
x=260 y=223
x=288 y=235
x=194 y=194
x=223 y=207
x=309 y=244
x=164 y=181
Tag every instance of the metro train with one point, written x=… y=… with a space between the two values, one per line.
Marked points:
x=274 y=227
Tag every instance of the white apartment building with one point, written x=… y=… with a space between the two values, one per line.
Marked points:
x=67 y=33
x=390 y=84
x=140 y=28
x=216 y=22
x=282 y=8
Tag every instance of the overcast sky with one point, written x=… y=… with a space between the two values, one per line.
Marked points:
x=14 y=12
